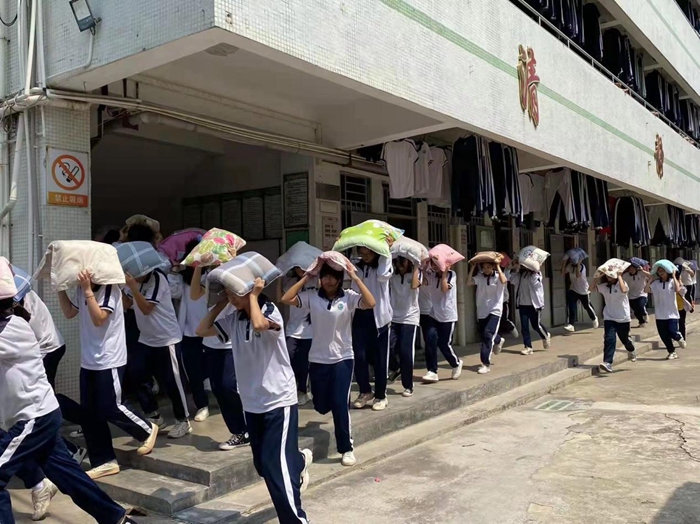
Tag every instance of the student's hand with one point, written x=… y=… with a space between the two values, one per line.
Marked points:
x=84 y=278
x=447 y=268
x=258 y=287
x=130 y=281
x=352 y=273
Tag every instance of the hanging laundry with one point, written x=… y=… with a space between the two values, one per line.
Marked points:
x=630 y=223
x=592 y=34
x=466 y=171
x=400 y=158
x=598 y=202
x=422 y=171
x=444 y=199
x=431 y=185
x=532 y=195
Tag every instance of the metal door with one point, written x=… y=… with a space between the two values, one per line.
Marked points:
x=558 y=294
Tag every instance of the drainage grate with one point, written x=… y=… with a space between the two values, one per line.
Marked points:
x=557 y=405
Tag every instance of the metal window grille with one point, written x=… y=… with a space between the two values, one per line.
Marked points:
x=438 y=225
x=355 y=196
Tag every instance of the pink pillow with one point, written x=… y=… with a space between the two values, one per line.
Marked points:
x=174 y=247
x=336 y=260
x=442 y=254
x=8 y=289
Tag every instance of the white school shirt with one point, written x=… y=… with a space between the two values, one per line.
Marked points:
x=617 y=303
x=636 y=284
x=299 y=325
x=579 y=285
x=102 y=347
x=422 y=171
x=506 y=291
x=332 y=321
x=444 y=304
x=400 y=158
x=377 y=281
x=404 y=300
x=435 y=174
x=191 y=312
x=24 y=389
x=160 y=328
x=665 y=306
x=425 y=303
x=219 y=342
x=42 y=324
x=686 y=279
x=261 y=359
x=529 y=290
x=489 y=295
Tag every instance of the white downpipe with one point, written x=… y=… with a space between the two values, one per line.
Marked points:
x=40 y=52
x=17 y=157
x=4 y=146
x=32 y=45
x=31 y=227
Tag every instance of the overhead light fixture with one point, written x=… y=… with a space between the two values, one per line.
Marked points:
x=83 y=15
x=221 y=49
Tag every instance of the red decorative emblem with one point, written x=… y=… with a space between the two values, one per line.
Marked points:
x=659 y=156
x=528 y=80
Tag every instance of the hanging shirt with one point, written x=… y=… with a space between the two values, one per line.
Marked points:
x=489 y=295
x=299 y=323
x=404 y=300
x=529 y=290
x=42 y=324
x=24 y=389
x=400 y=158
x=664 y=300
x=261 y=359
x=636 y=284
x=432 y=187
x=422 y=172
x=617 y=304
x=102 y=347
x=444 y=304
x=160 y=328
x=578 y=285
x=332 y=321
x=377 y=281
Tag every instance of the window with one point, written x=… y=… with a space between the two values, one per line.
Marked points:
x=438 y=225
x=355 y=195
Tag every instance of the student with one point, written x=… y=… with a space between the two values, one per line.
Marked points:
x=299 y=333
x=681 y=303
x=636 y=280
x=664 y=288
x=268 y=391
x=159 y=348
x=490 y=289
x=443 y=317
x=31 y=420
x=529 y=297
x=222 y=373
x=331 y=356
x=404 y=287
x=616 y=319
x=102 y=367
x=578 y=292
x=687 y=278
x=507 y=325
x=371 y=330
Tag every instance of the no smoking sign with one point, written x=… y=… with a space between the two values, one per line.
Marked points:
x=67 y=177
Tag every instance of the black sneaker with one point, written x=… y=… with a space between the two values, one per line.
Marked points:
x=234 y=442
x=393 y=375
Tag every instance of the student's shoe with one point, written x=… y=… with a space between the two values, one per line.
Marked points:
x=682 y=343
x=497 y=348
x=348 y=459
x=569 y=328
x=79 y=455
x=180 y=429
x=157 y=419
x=407 y=393
x=104 y=470
x=235 y=441
x=547 y=342
x=483 y=370
x=672 y=356
x=641 y=324
x=207 y=385
x=514 y=333
x=362 y=400
x=393 y=375
x=308 y=460
x=302 y=399
x=380 y=404
x=78 y=433
x=147 y=445
x=430 y=377
x=527 y=351
x=632 y=356
x=41 y=498
x=595 y=324
x=605 y=367
x=457 y=371
x=202 y=415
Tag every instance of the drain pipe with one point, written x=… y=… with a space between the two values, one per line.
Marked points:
x=4 y=146
x=17 y=157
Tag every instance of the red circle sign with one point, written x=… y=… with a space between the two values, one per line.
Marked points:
x=68 y=172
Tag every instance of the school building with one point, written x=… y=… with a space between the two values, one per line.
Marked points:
x=264 y=118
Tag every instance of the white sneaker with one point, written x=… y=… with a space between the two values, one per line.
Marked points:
x=483 y=370
x=147 y=445
x=308 y=460
x=407 y=393
x=180 y=429
x=348 y=459
x=527 y=351
x=605 y=366
x=362 y=400
x=156 y=388
x=682 y=343
x=595 y=324
x=157 y=419
x=672 y=356
x=202 y=415
x=498 y=347
x=78 y=433
x=632 y=356
x=456 y=372
x=514 y=333
x=430 y=377
x=207 y=385
x=547 y=342
x=380 y=404
x=79 y=456
x=302 y=399
x=569 y=328
x=41 y=498
x=104 y=470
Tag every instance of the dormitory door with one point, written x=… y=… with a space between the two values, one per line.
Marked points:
x=558 y=290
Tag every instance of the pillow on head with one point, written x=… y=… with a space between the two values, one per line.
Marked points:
x=372 y=234
x=486 y=256
x=218 y=246
x=336 y=260
x=175 y=246
x=238 y=276
x=442 y=255
x=639 y=263
x=532 y=258
x=22 y=282
x=667 y=265
x=142 y=220
x=8 y=289
x=140 y=258
x=300 y=255
x=613 y=268
x=411 y=249
x=575 y=256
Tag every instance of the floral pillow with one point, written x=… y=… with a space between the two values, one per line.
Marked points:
x=218 y=246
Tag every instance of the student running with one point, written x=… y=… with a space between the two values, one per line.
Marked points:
x=636 y=279
x=578 y=292
x=529 y=297
x=616 y=319
x=490 y=285
x=665 y=286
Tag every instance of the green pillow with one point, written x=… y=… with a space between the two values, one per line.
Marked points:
x=372 y=234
